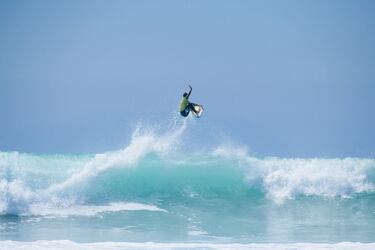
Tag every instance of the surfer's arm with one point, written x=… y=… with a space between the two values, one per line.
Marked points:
x=189 y=91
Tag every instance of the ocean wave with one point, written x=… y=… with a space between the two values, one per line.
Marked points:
x=29 y=180
x=285 y=178
x=150 y=166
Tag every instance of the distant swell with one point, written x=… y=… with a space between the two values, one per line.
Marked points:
x=150 y=167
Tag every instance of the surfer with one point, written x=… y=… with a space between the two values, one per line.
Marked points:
x=186 y=106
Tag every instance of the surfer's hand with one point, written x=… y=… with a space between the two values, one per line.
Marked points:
x=190 y=87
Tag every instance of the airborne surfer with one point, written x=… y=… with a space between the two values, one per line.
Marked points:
x=186 y=106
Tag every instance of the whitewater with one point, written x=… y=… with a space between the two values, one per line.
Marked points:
x=151 y=194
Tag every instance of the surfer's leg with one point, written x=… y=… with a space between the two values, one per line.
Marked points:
x=185 y=113
x=191 y=107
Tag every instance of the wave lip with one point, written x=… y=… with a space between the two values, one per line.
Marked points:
x=286 y=178
x=27 y=181
x=142 y=143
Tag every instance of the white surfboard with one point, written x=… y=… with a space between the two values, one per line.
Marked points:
x=198 y=110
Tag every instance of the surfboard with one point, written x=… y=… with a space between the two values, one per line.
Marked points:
x=198 y=110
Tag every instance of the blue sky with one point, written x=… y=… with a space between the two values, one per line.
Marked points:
x=285 y=78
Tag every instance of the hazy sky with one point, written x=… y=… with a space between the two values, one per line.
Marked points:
x=285 y=78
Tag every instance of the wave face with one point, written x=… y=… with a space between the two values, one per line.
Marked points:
x=140 y=172
x=191 y=190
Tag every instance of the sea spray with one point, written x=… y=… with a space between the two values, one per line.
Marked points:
x=141 y=144
x=139 y=171
x=29 y=181
x=155 y=189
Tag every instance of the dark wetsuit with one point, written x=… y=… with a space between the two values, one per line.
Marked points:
x=186 y=111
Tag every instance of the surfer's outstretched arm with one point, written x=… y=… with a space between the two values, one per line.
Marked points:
x=189 y=91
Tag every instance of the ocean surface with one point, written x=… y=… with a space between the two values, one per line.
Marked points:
x=151 y=194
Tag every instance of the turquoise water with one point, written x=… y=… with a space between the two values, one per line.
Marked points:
x=150 y=192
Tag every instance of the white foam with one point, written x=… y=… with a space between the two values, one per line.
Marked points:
x=197 y=232
x=91 y=210
x=231 y=151
x=15 y=197
x=66 y=244
x=287 y=178
x=19 y=192
x=140 y=145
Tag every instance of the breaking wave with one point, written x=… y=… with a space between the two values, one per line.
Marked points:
x=151 y=166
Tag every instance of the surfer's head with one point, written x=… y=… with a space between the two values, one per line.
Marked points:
x=185 y=94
